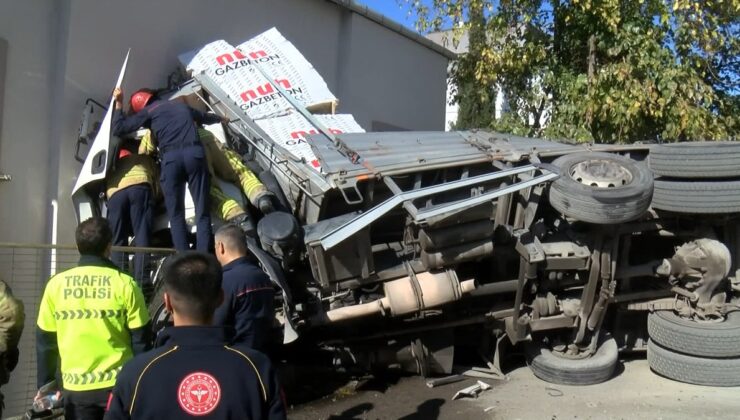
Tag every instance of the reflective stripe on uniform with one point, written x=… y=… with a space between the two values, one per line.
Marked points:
x=90 y=378
x=147 y=146
x=222 y=205
x=251 y=185
x=88 y=314
x=131 y=170
x=92 y=309
x=228 y=165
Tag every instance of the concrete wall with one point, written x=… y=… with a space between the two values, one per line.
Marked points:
x=24 y=140
x=63 y=51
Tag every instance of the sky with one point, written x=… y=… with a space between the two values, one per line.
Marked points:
x=394 y=9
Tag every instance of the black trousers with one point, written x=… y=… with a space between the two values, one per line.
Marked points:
x=130 y=211
x=86 y=405
x=181 y=167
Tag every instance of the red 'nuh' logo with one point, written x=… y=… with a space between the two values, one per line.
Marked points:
x=238 y=55
x=302 y=134
x=264 y=90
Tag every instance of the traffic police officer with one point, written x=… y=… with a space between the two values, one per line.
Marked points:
x=130 y=194
x=248 y=292
x=183 y=157
x=195 y=373
x=92 y=317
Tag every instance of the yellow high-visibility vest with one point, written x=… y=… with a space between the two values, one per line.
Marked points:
x=92 y=308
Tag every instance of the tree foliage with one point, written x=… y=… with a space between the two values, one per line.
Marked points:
x=595 y=70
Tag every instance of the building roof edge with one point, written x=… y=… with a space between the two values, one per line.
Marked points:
x=394 y=26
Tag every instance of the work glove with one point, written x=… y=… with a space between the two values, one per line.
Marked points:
x=265 y=204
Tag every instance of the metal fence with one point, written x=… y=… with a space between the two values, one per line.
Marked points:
x=26 y=268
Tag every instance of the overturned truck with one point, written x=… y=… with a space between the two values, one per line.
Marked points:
x=399 y=247
x=405 y=242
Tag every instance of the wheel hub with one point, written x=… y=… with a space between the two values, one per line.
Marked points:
x=601 y=174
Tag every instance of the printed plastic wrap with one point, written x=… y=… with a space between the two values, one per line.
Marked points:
x=233 y=68
x=290 y=131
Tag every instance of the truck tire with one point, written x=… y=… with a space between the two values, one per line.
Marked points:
x=696 y=160
x=693 y=369
x=601 y=188
x=697 y=197
x=711 y=339
x=159 y=316
x=552 y=368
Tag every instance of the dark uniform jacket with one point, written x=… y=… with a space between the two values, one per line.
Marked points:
x=248 y=303
x=195 y=374
x=171 y=122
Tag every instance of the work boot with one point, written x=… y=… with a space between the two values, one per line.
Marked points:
x=265 y=204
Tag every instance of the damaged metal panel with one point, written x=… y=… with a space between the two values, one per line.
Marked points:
x=390 y=153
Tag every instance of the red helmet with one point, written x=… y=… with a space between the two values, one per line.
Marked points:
x=139 y=100
x=123 y=153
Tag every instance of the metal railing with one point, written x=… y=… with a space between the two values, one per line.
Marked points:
x=26 y=268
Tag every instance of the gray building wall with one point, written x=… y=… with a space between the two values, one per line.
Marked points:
x=64 y=51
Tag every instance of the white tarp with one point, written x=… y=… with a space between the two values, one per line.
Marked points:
x=290 y=131
x=233 y=69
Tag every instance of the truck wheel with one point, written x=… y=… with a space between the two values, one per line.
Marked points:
x=550 y=367
x=706 y=339
x=160 y=317
x=696 y=160
x=601 y=188
x=692 y=369
x=697 y=197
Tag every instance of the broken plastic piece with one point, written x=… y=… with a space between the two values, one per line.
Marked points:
x=472 y=391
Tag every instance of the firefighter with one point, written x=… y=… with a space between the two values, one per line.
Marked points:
x=183 y=158
x=93 y=318
x=248 y=292
x=11 y=328
x=195 y=372
x=130 y=192
x=228 y=166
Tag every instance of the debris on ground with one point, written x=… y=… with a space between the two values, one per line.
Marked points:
x=472 y=391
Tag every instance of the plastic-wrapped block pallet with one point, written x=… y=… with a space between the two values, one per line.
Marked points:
x=290 y=131
x=232 y=68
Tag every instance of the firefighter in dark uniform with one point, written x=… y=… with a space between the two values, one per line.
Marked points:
x=94 y=319
x=194 y=373
x=183 y=157
x=130 y=192
x=248 y=293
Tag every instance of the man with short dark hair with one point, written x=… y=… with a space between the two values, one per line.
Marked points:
x=248 y=292
x=194 y=372
x=92 y=317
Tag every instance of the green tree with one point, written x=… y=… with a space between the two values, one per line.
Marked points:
x=610 y=71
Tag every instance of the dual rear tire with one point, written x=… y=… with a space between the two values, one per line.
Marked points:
x=697 y=177
x=701 y=353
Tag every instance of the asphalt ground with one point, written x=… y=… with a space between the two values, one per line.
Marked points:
x=635 y=392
